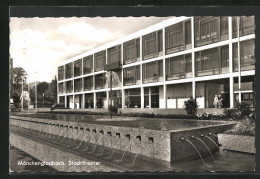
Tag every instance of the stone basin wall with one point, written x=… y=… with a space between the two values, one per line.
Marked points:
x=162 y=145
x=147 y=143
x=181 y=149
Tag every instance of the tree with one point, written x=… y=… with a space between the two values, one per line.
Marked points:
x=19 y=77
x=53 y=90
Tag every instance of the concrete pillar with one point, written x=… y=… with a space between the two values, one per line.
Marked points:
x=142 y=97
x=94 y=100
x=150 y=99
x=194 y=89
x=108 y=98
x=65 y=101
x=58 y=99
x=123 y=98
x=231 y=91
x=239 y=60
x=122 y=78
x=231 y=79
x=83 y=101
x=73 y=101
x=165 y=95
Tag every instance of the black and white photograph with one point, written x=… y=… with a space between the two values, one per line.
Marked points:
x=132 y=94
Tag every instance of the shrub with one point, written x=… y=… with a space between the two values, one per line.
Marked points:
x=209 y=116
x=114 y=109
x=191 y=106
x=244 y=109
x=231 y=114
x=245 y=126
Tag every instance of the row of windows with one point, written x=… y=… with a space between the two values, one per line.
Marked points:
x=177 y=38
x=207 y=62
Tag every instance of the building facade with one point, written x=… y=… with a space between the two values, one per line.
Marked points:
x=165 y=64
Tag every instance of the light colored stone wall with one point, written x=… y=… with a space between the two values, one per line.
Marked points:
x=239 y=143
x=48 y=153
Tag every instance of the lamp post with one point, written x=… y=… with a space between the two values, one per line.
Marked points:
x=22 y=92
x=35 y=92
x=43 y=99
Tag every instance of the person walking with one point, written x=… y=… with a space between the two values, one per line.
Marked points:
x=215 y=102
x=220 y=101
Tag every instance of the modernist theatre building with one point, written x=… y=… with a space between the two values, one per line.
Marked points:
x=165 y=64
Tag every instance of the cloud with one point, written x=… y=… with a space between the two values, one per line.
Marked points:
x=39 y=44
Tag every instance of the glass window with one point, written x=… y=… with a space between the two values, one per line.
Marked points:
x=153 y=72
x=206 y=30
x=89 y=100
x=178 y=67
x=61 y=73
x=224 y=28
x=77 y=85
x=131 y=51
x=246 y=25
x=234 y=27
x=131 y=75
x=100 y=60
x=178 y=37
x=69 y=71
x=88 y=83
x=100 y=99
x=61 y=88
x=207 y=62
x=69 y=86
x=100 y=81
x=133 y=98
x=78 y=68
x=88 y=64
x=152 y=44
x=247 y=55
x=187 y=32
x=114 y=54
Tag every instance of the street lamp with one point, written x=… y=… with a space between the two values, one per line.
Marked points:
x=43 y=99
x=22 y=92
x=35 y=92
x=22 y=89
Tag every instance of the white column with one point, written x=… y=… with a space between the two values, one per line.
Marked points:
x=123 y=98
x=108 y=97
x=164 y=73
x=231 y=79
x=83 y=101
x=165 y=95
x=73 y=101
x=150 y=99
x=193 y=59
x=94 y=100
x=122 y=79
x=238 y=57
x=142 y=97
x=231 y=91
x=141 y=73
x=194 y=89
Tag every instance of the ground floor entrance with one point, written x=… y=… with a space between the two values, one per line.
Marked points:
x=230 y=91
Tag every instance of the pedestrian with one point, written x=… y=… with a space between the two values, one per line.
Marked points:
x=219 y=101
x=215 y=102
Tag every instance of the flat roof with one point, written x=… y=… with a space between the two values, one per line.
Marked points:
x=131 y=36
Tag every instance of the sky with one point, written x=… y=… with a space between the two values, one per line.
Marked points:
x=39 y=44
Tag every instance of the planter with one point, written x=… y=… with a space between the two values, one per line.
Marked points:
x=240 y=143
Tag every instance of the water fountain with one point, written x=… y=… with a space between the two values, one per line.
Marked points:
x=118 y=141
x=204 y=145
x=101 y=132
x=194 y=148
